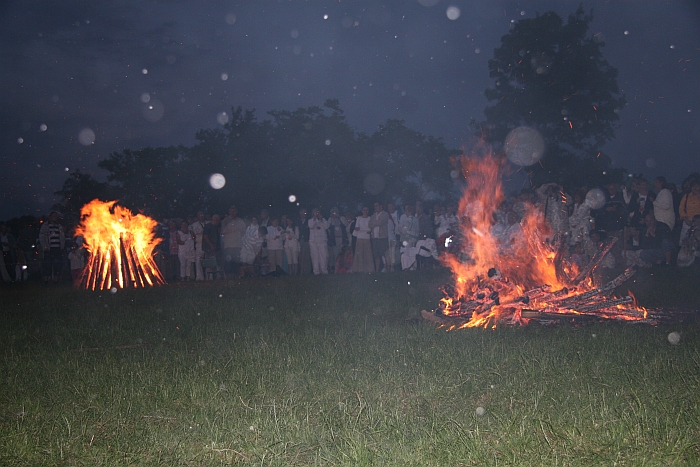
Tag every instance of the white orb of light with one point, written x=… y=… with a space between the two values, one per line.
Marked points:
x=113 y=290
x=595 y=198
x=222 y=118
x=217 y=181
x=86 y=136
x=674 y=338
x=480 y=411
x=524 y=146
x=453 y=12
x=292 y=198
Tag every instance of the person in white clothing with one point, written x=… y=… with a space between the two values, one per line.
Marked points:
x=197 y=230
x=185 y=250
x=663 y=204
x=275 y=245
x=318 y=242
x=291 y=246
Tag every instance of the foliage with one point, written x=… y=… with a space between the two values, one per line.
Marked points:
x=312 y=153
x=552 y=76
x=78 y=190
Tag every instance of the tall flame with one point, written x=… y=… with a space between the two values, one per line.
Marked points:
x=530 y=273
x=120 y=245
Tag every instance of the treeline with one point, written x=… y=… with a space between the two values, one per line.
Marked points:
x=311 y=153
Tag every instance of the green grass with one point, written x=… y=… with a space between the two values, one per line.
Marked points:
x=337 y=371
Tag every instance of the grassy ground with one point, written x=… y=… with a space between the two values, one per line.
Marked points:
x=337 y=371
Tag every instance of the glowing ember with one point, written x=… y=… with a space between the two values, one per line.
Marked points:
x=120 y=245
x=526 y=278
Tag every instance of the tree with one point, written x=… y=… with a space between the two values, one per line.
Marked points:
x=153 y=180
x=78 y=190
x=552 y=77
x=413 y=165
x=314 y=155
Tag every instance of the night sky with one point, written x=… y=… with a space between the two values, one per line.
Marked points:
x=81 y=79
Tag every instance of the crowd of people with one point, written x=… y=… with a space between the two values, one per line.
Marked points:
x=654 y=224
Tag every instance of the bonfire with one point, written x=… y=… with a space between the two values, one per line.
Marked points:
x=120 y=246
x=531 y=278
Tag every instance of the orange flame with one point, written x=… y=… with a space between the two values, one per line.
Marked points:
x=531 y=271
x=120 y=245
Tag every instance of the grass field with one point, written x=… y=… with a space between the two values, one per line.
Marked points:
x=337 y=370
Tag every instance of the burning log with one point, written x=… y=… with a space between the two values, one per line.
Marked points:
x=596 y=260
x=120 y=245
x=529 y=278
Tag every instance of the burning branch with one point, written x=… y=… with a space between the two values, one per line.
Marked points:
x=120 y=245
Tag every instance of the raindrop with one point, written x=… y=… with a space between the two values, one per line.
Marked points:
x=292 y=198
x=325 y=16
x=66 y=169
x=20 y=140
x=454 y=174
x=86 y=137
x=477 y=51
x=230 y=18
x=453 y=12
x=626 y=33
x=294 y=33
x=217 y=181
x=522 y=13
x=144 y=71
x=113 y=290
x=224 y=76
x=43 y=127
x=480 y=411
x=328 y=142
x=651 y=162
x=672 y=46
x=145 y=97
x=222 y=118
x=296 y=50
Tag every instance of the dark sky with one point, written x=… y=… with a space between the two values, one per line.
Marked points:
x=81 y=79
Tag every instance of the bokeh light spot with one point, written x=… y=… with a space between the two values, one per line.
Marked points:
x=86 y=137
x=217 y=181
x=453 y=12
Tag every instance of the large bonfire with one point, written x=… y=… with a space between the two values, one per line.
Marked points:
x=530 y=278
x=120 y=245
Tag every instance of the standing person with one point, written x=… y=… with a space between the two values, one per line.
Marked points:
x=304 y=248
x=211 y=241
x=337 y=236
x=252 y=246
x=77 y=261
x=408 y=227
x=318 y=242
x=392 y=230
x=275 y=245
x=425 y=224
x=232 y=230
x=185 y=253
x=52 y=238
x=663 y=203
x=362 y=259
x=8 y=253
x=379 y=223
x=641 y=204
x=197 y=230
x=291 y=246
x=612 y=219
x=173 y=263
x=689 y=208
